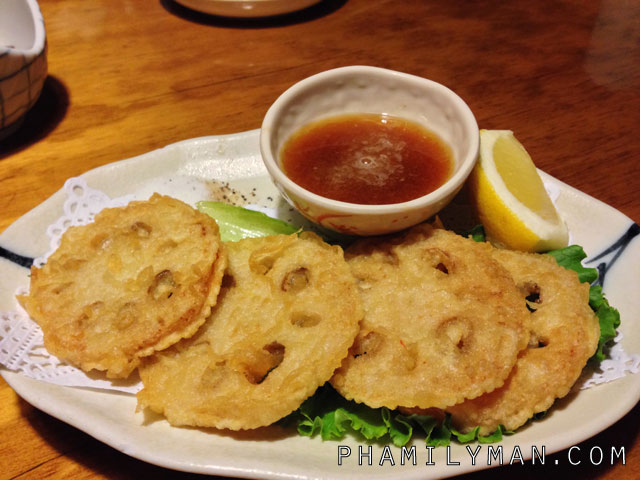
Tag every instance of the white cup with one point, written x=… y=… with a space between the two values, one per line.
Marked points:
x=363 y=89
x=23 y=61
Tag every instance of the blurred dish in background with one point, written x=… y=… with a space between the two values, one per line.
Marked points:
x=247 y=8
x=23 y=61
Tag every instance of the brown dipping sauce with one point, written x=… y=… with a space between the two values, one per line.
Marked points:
x=367 y=159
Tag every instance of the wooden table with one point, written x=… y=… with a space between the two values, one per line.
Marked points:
x=129 y=76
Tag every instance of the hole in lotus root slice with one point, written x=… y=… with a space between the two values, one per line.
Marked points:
x=442 y=267
x=264 y=362
x=228 y=281
x=367 y=345
x=227 y=285
x=457 y=331
x=542 y=343
x=305 y=320
x=100 y=241
x=531 y=292
x=141 y=229
x=409 y=355
x=440 y=260
x=537 y=341
x=296 y=280
x=162 y=285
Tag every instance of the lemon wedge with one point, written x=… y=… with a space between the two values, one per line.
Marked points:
x=509 y=197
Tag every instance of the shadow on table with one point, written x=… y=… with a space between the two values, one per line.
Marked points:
x=91 y=456
x=41 y=119
x=318 y=10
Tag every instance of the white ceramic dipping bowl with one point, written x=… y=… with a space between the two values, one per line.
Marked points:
x=363 y=89
x=23 y=60
x=247 y=8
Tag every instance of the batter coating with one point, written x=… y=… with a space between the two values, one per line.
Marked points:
x=136 y=280
x=565 y=333
x=288 y=313
x=443 y=321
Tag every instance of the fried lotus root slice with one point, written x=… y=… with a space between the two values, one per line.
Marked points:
x=136 y=280
x=443 y=321
x=565 y=334
x=288 y=313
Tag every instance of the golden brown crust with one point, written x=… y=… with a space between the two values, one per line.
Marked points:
x=565 y=334
x=443 y=321
x=288 y=312
x=136 y=280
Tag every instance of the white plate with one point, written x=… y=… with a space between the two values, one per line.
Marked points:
x=247 y=8
x=192 y=170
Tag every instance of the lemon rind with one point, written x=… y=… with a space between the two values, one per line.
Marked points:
x=550 y=234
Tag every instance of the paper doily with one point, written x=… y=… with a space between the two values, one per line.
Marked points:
x=21 y=344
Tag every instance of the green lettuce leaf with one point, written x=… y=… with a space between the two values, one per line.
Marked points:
x=399 y=428
x=426 y=422
x=442 y=434
x=608 y=317
x=571 y=257
x=476 y=234
x=236 y=223
x=329 y=415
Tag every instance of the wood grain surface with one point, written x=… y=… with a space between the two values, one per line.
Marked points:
x=130 y=76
